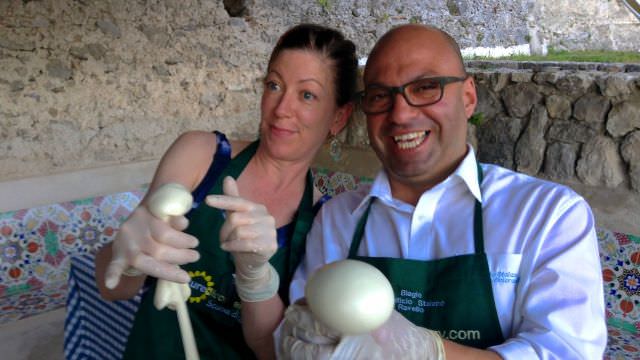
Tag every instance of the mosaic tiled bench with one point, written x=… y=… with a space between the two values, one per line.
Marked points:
x=37 y=245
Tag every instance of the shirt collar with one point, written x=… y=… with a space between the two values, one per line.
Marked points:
x=380 y=188
x=467 y=171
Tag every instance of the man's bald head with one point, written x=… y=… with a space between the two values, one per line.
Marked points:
x=427 y=56
x=418 y=32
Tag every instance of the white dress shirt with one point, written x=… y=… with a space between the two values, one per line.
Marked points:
x=539 y=238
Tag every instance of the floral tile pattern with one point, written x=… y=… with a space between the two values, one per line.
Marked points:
x=35 y=245
x=620 y=258
x=32 y=302
x=333 y=183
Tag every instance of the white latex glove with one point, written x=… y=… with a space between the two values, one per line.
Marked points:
x=249 y=234
x=399 y=338
x=302 y=337
x=152 y=247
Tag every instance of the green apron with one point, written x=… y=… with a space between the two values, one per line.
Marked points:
x=452 y=295
x=214 y=305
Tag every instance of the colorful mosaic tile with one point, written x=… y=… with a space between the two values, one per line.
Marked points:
x=620 y=258
x=34 y=301
x=333 y=183
x=36 y=244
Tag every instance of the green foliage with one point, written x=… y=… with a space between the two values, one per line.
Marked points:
x=384 y=18
x=325 y=4
x=454 y=10
x=476 y=119
x=577 y=56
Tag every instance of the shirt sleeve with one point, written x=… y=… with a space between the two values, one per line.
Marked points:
x=559 y=310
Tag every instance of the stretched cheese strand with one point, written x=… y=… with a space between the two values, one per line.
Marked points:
x=174 y=200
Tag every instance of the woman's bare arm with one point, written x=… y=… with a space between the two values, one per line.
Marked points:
x=185 y=162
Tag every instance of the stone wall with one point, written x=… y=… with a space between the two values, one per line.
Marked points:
x=584 y=25
x=563 y=123
x=95 y=83
x=92 y=83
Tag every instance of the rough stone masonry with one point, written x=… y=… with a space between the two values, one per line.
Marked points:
x=89 y=83
x=93 y=83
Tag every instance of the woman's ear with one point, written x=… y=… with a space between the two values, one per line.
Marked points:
x=470 y=97
x=341 y=118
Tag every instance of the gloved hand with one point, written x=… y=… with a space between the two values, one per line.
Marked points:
x=399 y=338
x=302 y=337
x=147 y=245
x=249 y=234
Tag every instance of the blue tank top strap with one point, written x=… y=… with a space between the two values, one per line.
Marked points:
x=218 y=164
x=320 y=202
x=283 y=234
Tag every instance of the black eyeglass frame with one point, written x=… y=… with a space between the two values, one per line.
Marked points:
x=442 y=81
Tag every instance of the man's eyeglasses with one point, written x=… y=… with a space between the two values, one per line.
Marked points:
x=376 y=99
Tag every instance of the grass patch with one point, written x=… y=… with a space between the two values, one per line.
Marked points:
x=577 y=56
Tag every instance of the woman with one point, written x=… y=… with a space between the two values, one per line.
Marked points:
x=307 y=97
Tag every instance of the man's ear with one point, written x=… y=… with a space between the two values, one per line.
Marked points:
x=341 y=118
x=470 y=97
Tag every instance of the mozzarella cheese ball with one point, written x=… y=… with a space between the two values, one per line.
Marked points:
x=350 y=296
x=170 y=199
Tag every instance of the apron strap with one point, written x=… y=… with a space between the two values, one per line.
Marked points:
x=302 y=224
x=237 y=164
x=358 y=234
x=478 y=231
x=234 y=169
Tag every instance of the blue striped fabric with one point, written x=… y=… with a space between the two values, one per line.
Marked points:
x=94 y=328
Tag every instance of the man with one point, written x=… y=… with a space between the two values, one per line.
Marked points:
x=495 y=263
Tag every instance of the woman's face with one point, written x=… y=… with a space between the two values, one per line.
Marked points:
x=298 y=105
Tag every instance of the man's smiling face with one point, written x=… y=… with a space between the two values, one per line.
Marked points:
x=419 y=146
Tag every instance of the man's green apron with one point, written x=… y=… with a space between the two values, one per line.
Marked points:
x=214 y=305
x=452 y=295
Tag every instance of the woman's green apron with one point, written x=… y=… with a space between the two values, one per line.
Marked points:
x=452 y=295
x=214 y=305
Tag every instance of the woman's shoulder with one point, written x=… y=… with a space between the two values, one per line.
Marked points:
x=191 y=155
x=206 y=140
x=187 y=158
x=196 y=139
